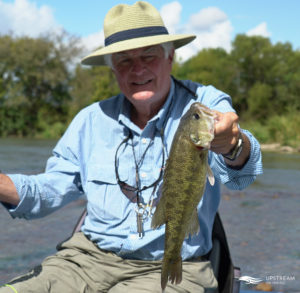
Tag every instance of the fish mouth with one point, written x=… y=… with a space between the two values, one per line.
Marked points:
x=200 y=148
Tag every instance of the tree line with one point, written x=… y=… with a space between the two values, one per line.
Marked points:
x=41 y=90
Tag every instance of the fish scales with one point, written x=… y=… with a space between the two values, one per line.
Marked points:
x=183 y=186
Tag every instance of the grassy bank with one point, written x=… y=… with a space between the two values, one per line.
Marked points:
x=283 y=130
x=276 y=130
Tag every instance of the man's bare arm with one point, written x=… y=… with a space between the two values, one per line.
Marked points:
x=8 y=191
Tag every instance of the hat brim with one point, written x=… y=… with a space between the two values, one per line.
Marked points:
x=97 y=57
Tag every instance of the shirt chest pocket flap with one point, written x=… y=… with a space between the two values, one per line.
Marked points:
x=105 y=174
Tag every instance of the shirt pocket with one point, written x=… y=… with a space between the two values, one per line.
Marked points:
x=105 y=174
x=105 y=199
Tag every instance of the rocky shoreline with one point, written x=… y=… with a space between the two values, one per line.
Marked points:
x=277 y=147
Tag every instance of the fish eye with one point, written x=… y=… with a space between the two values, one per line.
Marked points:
x=196 y=116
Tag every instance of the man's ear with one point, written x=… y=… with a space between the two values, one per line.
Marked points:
x=171 y=56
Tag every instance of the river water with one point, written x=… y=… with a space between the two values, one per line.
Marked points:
x=24 y=156
x=262 y=223
x=281 y=171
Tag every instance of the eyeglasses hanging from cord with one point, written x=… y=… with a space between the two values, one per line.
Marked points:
x=143 y=211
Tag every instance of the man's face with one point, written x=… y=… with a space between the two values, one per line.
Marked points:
x=143 y=73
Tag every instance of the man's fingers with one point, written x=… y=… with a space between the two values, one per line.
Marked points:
x=226 y=132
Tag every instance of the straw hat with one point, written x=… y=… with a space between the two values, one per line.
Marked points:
x=128 y=27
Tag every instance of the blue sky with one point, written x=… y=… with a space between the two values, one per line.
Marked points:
x=215 y=22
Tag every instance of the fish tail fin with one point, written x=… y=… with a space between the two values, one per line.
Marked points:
x=164 y=278
x=172 y=271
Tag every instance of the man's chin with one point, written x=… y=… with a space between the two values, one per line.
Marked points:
x=142 y=95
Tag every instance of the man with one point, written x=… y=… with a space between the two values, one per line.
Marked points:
x=112 y=151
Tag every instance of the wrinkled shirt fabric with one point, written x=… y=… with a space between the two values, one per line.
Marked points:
x=83 y=164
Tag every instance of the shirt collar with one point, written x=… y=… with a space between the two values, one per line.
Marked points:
x=124 y=114
x=162 y=115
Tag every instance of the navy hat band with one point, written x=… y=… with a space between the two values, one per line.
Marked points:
x=136 y=33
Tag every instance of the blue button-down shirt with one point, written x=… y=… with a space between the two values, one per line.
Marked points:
x=83 y=162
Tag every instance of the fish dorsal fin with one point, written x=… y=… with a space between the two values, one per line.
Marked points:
x=210 y=176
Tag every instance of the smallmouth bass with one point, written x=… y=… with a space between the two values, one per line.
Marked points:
x=183 y=186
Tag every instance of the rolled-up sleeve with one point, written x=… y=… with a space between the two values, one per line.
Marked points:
x=60 y=184
x=44 y=193
x=239 y=179
x=233 y=179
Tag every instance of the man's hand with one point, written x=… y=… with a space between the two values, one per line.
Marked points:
x=226 y=132
x=8 y=191
x=226 y=137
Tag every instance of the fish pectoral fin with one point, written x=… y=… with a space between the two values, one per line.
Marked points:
x=159 y=217
x=210 y=176
x=194 y=227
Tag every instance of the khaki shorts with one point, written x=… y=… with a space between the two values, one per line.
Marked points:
x=80 y=266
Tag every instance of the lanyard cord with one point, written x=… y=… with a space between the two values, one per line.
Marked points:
x=138 y=189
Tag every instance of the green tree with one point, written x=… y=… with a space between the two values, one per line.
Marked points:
x=92 y=84
x=259 y=97
x=36 y=78
x=251 y=62
x=210 y=66
x=260 y=62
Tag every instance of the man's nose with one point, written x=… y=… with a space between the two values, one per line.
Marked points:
x=138 y=66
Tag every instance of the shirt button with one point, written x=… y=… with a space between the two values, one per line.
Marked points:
x=144 y=140
x=143 y=175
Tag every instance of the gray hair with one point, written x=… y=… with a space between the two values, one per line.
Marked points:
x=168 y=47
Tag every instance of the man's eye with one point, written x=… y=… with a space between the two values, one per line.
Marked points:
x=124 y=61
x=148 y=58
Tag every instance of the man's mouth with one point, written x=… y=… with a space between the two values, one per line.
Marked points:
x=142 y=82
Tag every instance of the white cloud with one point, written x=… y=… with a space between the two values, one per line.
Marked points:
x=91 y=42
x=170 y=14
x=260 y=30
x=211 y=26
x=206 y=19
x=23 y=17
